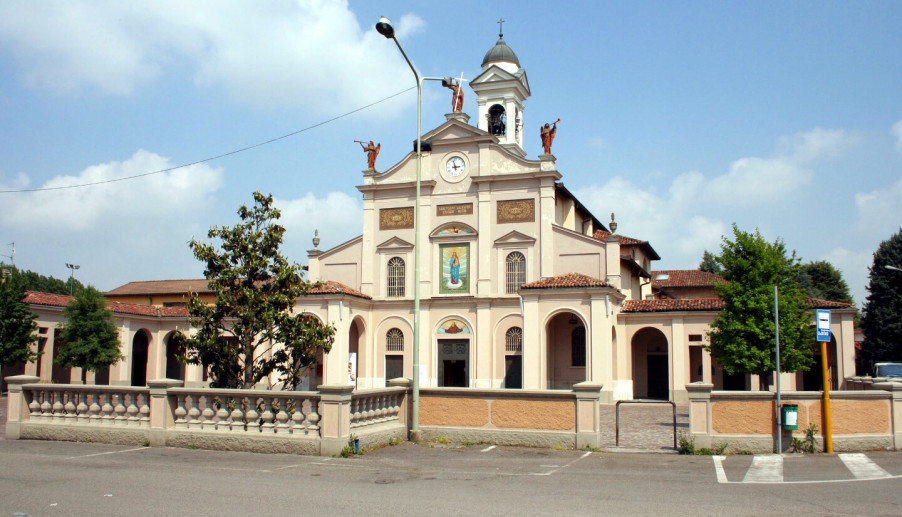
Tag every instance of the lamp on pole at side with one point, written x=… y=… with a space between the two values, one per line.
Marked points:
x=73 y=267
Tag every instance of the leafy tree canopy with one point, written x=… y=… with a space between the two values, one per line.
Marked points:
x=90 y=338
x=18 y=330
x=45 y=284
x=820 y=279
x=249 y=331
x=709 y=264
x=742 y=335
x=882 y=319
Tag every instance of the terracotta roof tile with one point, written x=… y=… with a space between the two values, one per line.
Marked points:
x=565 y=281
x=817 y=303
x=687 y=304
x=53 y=300
x=174 y=312
x=159 y=287
x=133 y=308
x=331 y=287
x=685 y=278
x=624 y=240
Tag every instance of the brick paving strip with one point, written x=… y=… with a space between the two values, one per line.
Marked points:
x=646 y=427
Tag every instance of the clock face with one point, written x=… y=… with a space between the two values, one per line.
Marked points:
x=455 y=167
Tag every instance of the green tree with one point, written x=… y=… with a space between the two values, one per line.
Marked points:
x=45 y=284
x=90 y=338
x=709 y=264
x=18 y=330
x=820 y=279
x=882 y=319
x=249 y=331
x=742 y=335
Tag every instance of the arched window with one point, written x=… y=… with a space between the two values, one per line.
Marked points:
x=497 y=120
x=516 y=271
x=578 y=347
x=513 y=340
x=394 y=340
x=395 y=277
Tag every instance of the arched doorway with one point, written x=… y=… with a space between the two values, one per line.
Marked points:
x=355 y=351
x=651 y=371
x=565 y=336
x=140 y=344
x=174 y=368
x=453 y=354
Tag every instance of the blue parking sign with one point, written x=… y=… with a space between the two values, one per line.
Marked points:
x=823 y=325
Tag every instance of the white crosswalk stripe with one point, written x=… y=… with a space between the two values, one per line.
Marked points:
x=862 y=467
x=765 y=469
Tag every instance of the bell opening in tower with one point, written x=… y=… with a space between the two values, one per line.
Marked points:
x=497 y=120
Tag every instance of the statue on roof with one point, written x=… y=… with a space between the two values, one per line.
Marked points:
x=372 y=151
x=548 y=132
x=457 y=99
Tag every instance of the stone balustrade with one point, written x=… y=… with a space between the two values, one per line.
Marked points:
x=96 y=405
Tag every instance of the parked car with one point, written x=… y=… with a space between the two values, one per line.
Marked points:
x=888 y=370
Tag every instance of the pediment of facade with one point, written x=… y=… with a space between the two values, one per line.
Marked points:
x=453 y=230
x=395 y=243
x=514 y=237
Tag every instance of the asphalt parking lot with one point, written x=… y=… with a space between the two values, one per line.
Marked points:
x=62 y=478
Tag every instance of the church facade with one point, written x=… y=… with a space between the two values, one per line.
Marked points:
x=521 y=286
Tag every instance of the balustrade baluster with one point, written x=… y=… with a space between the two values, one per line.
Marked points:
x=282 y=417
x=253 y=416
x=194 y=413
x=144 y=410
x=94 y=408
x=81 y=409
x=120 y=418
x=313 y=415
x=208 y=424
x=297 y=417
x=222 y=414
x=106 y=409
x=237 y=414
x=34 y=407
x=57 y=407
x=268 y=417
x=69 y=406
x=180 y=412
x=131 y=409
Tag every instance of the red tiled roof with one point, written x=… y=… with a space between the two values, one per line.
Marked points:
x=565 y=281
x=60 y=300
x=687 y=304
x=332 y=287
x=685 y=278
x=624 y=240
x=53 y=300
x=817 y=303
x=159 y=287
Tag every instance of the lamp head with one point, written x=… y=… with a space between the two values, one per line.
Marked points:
x=385 y=28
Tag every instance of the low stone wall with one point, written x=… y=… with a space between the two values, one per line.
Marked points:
x=165 y=414
x=513 y=417
x=861 y=420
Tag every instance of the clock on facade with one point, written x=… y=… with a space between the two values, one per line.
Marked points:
x=455 y=167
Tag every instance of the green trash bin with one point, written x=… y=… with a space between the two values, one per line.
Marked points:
x=790 y=417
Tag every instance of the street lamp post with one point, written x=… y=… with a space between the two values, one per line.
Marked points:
x=385 y=28
x=73 y=267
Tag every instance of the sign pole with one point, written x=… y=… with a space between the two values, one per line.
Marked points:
x=777 y=340
x=823 y=336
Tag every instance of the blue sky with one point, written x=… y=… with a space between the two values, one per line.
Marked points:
x=681 y=118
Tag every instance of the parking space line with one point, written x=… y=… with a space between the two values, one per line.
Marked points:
x=105 y=453
x=487 y=449
x=765 y=469
x=552 y=471
x=718 y=469
x=863 y=467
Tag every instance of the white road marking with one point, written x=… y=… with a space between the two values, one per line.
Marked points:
x=765 y=469
x=104 y=453
x=718 y=469
x=552 y=471
x=862 y=467
x=487 y=449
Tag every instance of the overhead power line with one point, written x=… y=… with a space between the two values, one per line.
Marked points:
x=223 y=155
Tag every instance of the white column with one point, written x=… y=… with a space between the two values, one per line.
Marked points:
x=483 y=346
x=335 y=369
x=546 y=218
x=679 y=361
x=599 y=353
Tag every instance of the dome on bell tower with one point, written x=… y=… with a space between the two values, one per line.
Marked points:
x=501 y=54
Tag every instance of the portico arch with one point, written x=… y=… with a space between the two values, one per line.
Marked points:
x=175 y=369
x=651 y=365
x=453 y=343
x=567 y=348
x=356 y=349
x=140 y=346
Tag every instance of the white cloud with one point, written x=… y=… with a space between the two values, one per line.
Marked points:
x=878 y=210
x=756 y=180
x=269 y=55
x=337 y=216
x=117 y=228
x=897 y=130
x=854 y=268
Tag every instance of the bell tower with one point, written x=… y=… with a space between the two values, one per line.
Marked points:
x=501 y=88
